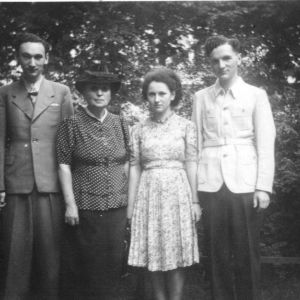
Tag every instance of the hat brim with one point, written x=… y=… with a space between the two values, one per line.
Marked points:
x=115 y=85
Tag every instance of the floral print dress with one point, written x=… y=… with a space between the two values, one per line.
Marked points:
x=163 y=233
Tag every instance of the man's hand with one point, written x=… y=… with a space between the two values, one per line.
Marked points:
x=71 y=215
x=2 y=200
x=261 y=199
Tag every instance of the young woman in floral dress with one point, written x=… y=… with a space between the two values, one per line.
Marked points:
x=163 y=206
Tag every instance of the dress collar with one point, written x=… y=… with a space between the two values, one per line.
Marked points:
x=162 y=121
x=93 y=116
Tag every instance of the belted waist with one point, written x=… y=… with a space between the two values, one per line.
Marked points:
x=100 y=162
x=163 y=164
x=227 y=141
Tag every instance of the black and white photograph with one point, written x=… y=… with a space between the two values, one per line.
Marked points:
x=150 y=150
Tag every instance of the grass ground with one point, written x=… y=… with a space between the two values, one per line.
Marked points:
x=278 y=283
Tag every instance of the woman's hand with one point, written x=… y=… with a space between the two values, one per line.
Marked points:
x=71 y=215
x=197 y=212
x=65 y=178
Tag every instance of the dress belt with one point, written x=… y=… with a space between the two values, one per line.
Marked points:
x=163 y=164
x=105 y=162
x=227 y=141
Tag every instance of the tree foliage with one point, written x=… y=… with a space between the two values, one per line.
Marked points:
x=132 y=37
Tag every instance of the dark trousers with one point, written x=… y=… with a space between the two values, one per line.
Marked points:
x=231 y=227
x=92 y=255
x=31 y=244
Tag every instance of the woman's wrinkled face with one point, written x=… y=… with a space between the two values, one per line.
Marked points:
x=97 y=95
x=159 y=97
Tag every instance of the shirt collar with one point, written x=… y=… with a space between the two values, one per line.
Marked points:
x=236 y=89
x=93 y=116
x=218 y=89
x=33 y=87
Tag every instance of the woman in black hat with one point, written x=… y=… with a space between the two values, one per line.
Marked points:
x=92 y=152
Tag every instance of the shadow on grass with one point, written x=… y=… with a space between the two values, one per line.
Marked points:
x=278 y=283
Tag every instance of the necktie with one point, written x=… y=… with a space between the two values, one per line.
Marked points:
x=32 y=95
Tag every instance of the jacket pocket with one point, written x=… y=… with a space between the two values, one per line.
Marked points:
x=241 y=117
x=249 y=170
x=211 y=120
x=53 y=108
x=208 y=170
x=51 y=116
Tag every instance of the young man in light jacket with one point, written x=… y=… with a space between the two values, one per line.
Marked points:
x=236 y=136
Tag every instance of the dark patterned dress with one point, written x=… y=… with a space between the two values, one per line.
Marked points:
x=97 y=152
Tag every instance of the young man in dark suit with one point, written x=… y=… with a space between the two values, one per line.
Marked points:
x=30 y=111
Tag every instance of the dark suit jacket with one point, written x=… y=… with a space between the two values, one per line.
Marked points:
x=27 y=136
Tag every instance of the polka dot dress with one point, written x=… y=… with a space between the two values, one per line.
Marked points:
x=96 y=152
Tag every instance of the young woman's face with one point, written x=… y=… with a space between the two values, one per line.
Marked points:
x=97 y=95
x=159 y=97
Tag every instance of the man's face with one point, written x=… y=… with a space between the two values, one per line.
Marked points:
x=32 y=58
x=225 y=62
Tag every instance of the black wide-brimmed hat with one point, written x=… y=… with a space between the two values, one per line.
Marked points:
x=98 y=78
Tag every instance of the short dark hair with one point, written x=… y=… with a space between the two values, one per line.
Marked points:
x=168 y=77
x=30 y=38
x=217 y=40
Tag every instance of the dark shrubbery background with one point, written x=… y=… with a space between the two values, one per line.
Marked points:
x=132 y=37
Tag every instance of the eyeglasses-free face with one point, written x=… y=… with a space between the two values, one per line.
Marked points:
x=97 y=95
x=32 y=58
x=225 y=61
x=159 y=97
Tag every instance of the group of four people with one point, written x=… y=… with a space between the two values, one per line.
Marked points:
x=147 y=176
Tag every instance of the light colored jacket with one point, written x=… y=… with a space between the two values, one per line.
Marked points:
x=27 y=136
x=236 y=135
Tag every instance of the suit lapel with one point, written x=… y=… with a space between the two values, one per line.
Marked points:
x=21 y=99
x=44 y=99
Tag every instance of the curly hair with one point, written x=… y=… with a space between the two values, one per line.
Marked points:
x=166 y=76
